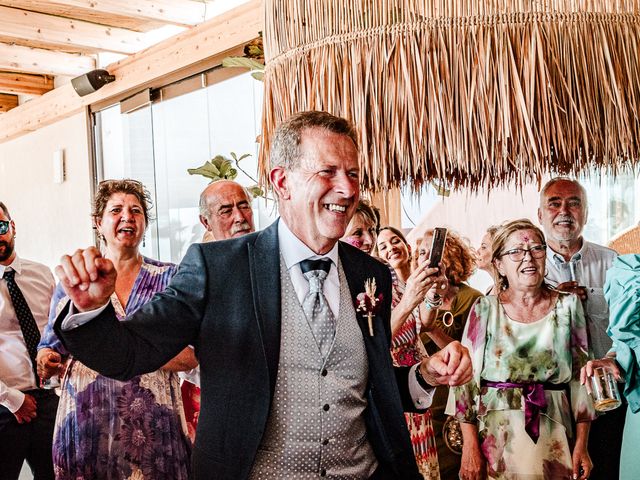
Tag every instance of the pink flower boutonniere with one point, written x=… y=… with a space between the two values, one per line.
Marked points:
x=367 y=302
x=354 y=241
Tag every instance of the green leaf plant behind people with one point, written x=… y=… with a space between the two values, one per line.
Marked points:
x=222 y=168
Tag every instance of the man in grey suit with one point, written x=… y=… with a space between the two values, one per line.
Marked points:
x=296 y=383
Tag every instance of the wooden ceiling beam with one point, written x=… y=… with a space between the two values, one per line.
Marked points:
x=197 y=45
x=123 y=13
x=45 y=62
x=38 y=29
x=25 y=83
x=7 y=102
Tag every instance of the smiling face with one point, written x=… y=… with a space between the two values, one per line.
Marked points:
x=361 y=233
x=528 y=272
x=563 y=212
x=318 y=196
x=393 y=250
x=483 y=253
x=228 y=210
x=122 y=223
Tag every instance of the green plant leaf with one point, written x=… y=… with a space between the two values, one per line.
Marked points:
x=258 y=75
x=243 y=62
x=208 y=170
x=441 y=189
x=243 y=156
x=256 y=191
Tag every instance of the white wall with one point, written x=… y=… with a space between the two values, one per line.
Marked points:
x=51 y=219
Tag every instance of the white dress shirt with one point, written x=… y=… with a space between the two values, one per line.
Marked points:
x=16 y=371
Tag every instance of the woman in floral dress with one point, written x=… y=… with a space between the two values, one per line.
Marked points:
x=524 y=414
x=106 y=428
x=408 y=316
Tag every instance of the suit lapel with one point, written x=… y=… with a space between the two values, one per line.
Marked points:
x=264 y=265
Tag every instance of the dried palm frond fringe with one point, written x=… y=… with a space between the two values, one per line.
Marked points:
x=469 y=92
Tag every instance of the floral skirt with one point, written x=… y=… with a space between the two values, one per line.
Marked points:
x=512 y=455
x=115 y=430
x=423 y=441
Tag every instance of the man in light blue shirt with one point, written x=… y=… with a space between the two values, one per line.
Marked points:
x=578 y=266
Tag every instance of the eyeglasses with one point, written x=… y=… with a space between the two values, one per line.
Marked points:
x=4 y=226
x=517 y=254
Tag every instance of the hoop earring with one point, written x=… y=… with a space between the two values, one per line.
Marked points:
x=444 y=319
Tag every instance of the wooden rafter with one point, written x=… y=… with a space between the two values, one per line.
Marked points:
x=25 y=83
x=37 y=29
x=7 y=102
x=199 y=44
x=47 y=62
x=140 y=15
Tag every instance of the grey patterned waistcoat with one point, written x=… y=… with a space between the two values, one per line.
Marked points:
x=316 y=425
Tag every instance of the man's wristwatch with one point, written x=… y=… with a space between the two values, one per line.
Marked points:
x=421 y=381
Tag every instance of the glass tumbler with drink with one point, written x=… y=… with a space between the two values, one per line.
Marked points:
x=604 y=390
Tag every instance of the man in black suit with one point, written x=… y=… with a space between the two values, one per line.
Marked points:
x=278 y=399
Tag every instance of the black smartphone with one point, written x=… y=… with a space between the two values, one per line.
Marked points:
x=437 y=246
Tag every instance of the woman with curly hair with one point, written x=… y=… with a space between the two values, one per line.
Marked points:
x=106 y=428
x=459 y=263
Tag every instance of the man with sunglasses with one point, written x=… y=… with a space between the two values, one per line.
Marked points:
x=27 y=413
x=578 y=266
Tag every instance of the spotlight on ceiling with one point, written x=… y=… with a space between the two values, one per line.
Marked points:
x=91 y=81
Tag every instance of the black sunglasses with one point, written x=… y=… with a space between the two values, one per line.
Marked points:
x=4 y=226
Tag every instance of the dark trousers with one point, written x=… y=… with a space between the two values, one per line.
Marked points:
x=605 y=444
x=28 y=441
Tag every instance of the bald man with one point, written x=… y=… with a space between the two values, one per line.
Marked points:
x=225 y=210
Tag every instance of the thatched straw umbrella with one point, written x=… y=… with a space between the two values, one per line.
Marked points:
x=471 y=92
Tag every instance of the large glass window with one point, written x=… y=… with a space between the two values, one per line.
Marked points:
x=613 y=206
x=157 y=143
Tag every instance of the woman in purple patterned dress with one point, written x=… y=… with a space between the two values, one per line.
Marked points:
x=408 y=317
x=106 y=428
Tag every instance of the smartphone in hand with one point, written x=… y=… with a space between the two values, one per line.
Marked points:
x=437 y=246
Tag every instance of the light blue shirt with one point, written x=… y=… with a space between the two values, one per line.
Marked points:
x=590 y=264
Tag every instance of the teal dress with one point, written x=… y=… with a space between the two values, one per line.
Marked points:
x=622 y=291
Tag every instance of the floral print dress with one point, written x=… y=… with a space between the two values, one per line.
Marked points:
x=407 y=350
x=108 y=429
x=550 y=350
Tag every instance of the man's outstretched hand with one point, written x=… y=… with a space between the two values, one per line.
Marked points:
x=88 y=278
x=449 y=366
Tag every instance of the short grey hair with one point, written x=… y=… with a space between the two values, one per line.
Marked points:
x=285 y=151
x=555 y=180
x=204 y=210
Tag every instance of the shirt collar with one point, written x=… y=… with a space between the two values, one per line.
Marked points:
x=15 y=265
x=294 y=250
x=559 y=259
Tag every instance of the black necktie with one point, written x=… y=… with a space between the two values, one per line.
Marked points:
x=27 y=323
x=320 y=264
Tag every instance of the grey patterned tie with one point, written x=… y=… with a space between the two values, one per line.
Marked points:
x=26 y=321
x=315 y=305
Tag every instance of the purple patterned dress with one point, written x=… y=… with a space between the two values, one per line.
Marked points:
x=109 y=429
